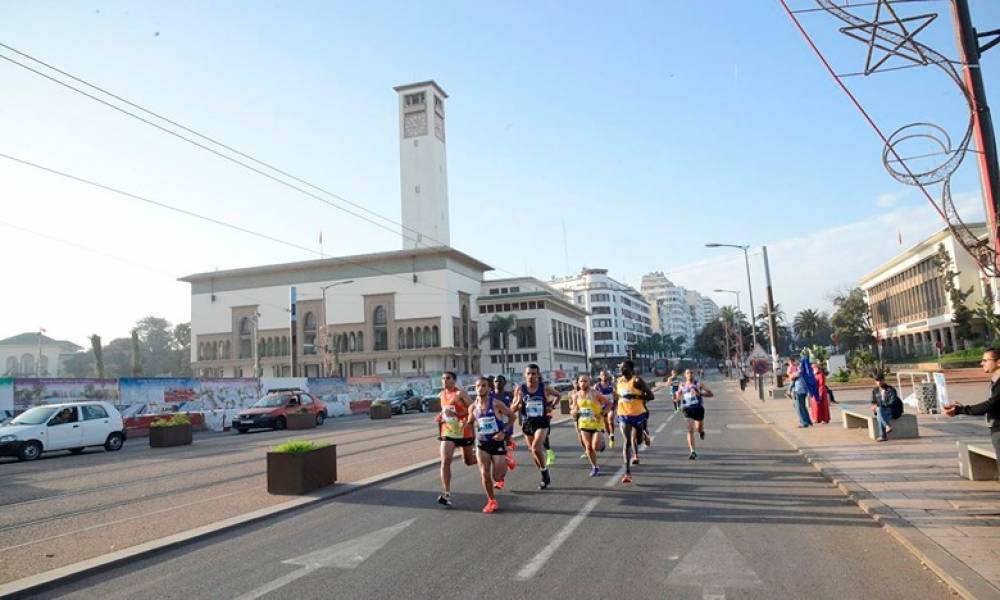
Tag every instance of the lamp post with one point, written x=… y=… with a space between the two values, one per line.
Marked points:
x=325 y=321
x=38 y=363
x=746 y=260
x=739 y=330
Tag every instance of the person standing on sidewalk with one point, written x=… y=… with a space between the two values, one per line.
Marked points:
x=819 y=404
x=886 y=405
x=799 y=393
x=991 y=407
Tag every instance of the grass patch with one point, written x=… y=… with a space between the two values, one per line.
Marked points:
x=171 y=421
x=298 y=447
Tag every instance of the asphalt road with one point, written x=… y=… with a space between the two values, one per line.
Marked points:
x=748 y=519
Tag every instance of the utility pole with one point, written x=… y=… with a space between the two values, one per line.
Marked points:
x=970 y=50
x=254 y=324
x=294 y=326
x=38 y=363
x=772 y=326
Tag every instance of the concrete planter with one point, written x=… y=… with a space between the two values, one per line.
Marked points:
x=434 y=405
x=380 y=411
x=174 y=435
x=293 y=474
x=564 y=406
x=294 y=421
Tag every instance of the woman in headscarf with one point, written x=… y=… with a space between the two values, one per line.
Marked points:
x=819 y=399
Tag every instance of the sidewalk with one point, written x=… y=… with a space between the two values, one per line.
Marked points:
x=910 y=486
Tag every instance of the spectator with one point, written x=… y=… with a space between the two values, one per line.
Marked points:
x=991 y=407
x=819 y=405
x=886 y=405
x=799 y=393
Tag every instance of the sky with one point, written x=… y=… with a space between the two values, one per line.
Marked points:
x=643 y=130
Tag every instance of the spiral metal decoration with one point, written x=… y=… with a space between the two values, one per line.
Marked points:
x=896 y=37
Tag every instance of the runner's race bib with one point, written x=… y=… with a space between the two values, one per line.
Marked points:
x=535 y=408
x=691 y=399
x=587 y=413
x=487 y=425
x=452 y=426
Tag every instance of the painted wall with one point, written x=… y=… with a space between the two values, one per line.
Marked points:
x=6 y=393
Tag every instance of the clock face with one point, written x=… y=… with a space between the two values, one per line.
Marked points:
x=415 y=124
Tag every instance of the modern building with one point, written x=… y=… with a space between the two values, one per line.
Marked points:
x=619 y=316
x=547 y=329
x=911 y=312
x=401 y=312
x=35 y=354
x=679 y=312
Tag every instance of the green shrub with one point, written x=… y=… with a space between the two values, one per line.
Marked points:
x=380 y=402
x=298 y=447
x=172 y=420
x=842 y=376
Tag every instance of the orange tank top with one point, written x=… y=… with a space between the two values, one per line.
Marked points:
x=454 y=415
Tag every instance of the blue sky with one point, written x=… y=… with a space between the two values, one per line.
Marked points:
x=648 y=129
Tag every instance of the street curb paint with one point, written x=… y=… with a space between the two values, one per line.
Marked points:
x=961 y=578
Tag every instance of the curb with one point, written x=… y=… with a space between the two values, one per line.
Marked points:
x=26 y=587
x=962 y=579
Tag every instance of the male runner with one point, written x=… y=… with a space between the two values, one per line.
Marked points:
x=606 y=387
x=490 y=417
x=675 y=383
x=455 y=431
x=690 y=395
x=632 y=394
x=534 y=402
x=499 y=393
x=588 y=406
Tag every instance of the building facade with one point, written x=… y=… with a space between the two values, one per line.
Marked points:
x=679 y=312
x=619 y=316
x=911 y=312
x=35 y=354
x=423 y=165
x=548 y=329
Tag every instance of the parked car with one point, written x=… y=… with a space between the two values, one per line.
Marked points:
x=70 y=426
x=6 y=415
x=563 y=386
x=432 y=395
x=403 y=401
x=269 y=412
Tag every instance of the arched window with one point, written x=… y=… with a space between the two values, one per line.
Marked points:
x=11 y=365
x=409 y=337
x=379 y=326
x=427 y=337
x=27 y=364
x=350 y=342
x=435 y=337
x=244 y=326
x=465 y=326
x=246 y=350
x=309 y=334
x=361 y=341
x=260 y=348
x=400 y=338
x=284 y=346
x=269 y=347
x=214 y=352
x=227 y=350
x=418 y=338
x=342 y=344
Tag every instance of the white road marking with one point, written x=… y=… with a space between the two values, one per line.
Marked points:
x=660 y=428
x=747 y=426
x=714 y=564
x=683 y=431
x=538 y=561
x=345 y=555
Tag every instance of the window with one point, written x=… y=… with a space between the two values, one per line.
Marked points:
x=309 y=334
x=11 y=368
x=418 y=338
x=414 y=365
x=493 y=359
x=494 y=291
x=417 y=99
x=427 y=337
x=465 y=326
x=601 y=310
x=541 y=304
x=361 y=341
x=246 y=349
x=400 y=338
x=351 y=342
x=506 y=307
x=534 y=357
x=515 y=290
x=503 y=290
x=381 y=335
x=435 y=337
x=409 y=337
x=27 y=364
x=532 y=305
x=93 y=411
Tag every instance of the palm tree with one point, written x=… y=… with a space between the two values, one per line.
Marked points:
x=807 y=325
x=95 y=345
x=779 y=314
x=501 y=326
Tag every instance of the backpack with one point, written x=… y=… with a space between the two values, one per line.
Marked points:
x=897 y=408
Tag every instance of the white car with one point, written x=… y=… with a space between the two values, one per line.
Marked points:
x=72 y=426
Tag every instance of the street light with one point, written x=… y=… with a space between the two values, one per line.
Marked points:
x=739 y=330
x=325 y=322
x=746 y=260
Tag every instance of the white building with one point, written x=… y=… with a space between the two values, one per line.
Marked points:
x=680 y=312
x=35 y=354
x=619 y=315
x=389 y=313
x=911 y=312
x=548 y=329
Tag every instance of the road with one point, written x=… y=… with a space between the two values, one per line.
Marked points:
x=748 y=519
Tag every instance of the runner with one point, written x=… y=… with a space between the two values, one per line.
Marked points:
x=576 y=421
x=455 y=431
x=690 y=395
x=588 y=407
x=631 y=393
x=675 y=383
x=532 y=401
x=606 y=387
x=490 y=417
x=499 y=393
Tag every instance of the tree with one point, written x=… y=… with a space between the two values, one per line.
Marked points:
x=118 y=357
x=807 y=325
x=180 y=347
x=779 y=314
x=136 y=354
x=961 y=314
x=95 y=346
x=851 y=320
x=499 y=331
x=709 y=341
x=156 y=355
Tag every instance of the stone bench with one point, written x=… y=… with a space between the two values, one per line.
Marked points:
x=977 y=461
x=903 y=427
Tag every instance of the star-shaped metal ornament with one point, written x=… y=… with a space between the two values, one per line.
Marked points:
x=891 y=35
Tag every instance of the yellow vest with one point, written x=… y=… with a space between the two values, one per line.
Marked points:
x=591 y=416
x=629 y=407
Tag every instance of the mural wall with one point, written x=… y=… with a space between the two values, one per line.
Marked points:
x=6 y=393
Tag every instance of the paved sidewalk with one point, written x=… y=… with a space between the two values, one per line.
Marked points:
x=911 y=486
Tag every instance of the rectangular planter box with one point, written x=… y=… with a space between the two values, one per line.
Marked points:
x=296 y=421
x=434 y=405
x=564 y=406
x=380 y=412
x=176 y=435
x=291 y=474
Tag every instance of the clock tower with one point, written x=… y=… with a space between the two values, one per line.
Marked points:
x=423 y=167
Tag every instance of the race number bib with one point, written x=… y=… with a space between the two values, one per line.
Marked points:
x=451 y=425
x=587 y=413
x=487 y=425
x=690 y=399
x=535 y=407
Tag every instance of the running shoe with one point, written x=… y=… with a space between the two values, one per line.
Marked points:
x=595 y=471
x=584 y=456
x=646 y=439
x=627 y=478
x=499 y=484
x=701 y=434
x=511 y=443
x=491 y=506
x=444 y=499
x=546 y=480
x=611 y=442
x=550 y=457
x=511 y=461
x=693 y=455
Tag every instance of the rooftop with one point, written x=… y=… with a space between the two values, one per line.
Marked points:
x=32 y=337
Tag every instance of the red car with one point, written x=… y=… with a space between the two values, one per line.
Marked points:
x=269 y=412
